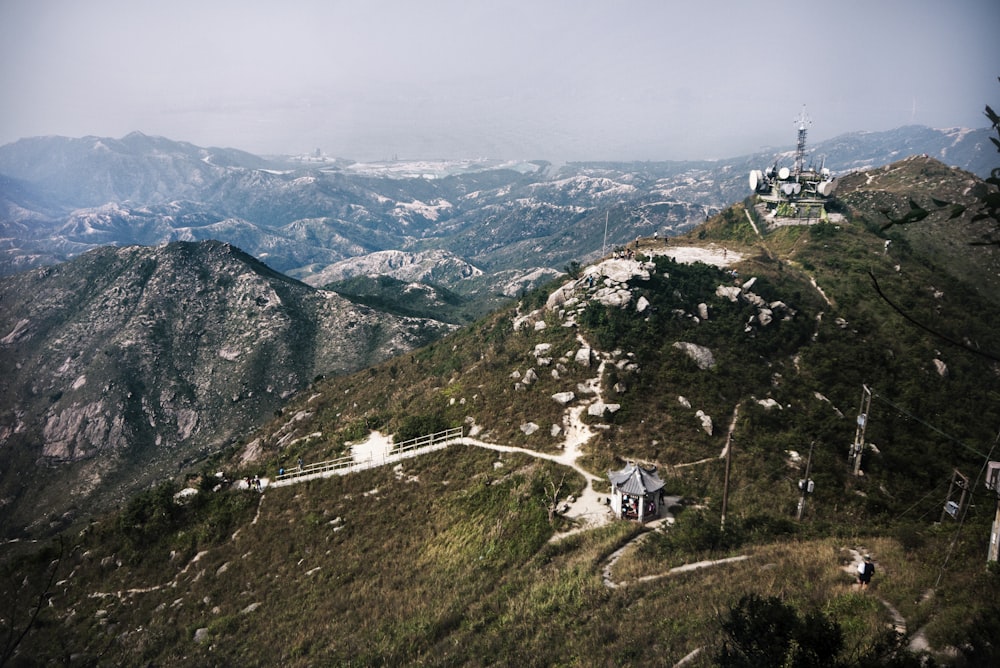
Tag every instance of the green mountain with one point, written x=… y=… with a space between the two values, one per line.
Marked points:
x=728 y=358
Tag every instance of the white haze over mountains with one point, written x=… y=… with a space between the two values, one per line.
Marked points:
x=507 y=79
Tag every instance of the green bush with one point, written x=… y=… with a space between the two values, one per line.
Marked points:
x=768 y=632
x=413 y=426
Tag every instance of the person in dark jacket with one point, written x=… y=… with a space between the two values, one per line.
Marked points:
x=866 y=569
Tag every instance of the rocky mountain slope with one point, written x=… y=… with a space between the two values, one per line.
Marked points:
x=124 y=363
x=724 y=357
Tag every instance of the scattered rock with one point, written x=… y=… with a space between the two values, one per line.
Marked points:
x=706 y=421
x=701 y=355
x=729 y=292
x=598 y=408
x=563 y=397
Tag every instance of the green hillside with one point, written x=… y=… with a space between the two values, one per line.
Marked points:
x=456 y=558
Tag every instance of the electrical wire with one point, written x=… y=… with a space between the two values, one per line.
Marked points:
x=924 y=498
x=929 y=425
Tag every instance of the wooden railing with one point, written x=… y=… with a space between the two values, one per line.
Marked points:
x=348 y=462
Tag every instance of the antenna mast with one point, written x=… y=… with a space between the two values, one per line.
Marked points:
x=800 y=149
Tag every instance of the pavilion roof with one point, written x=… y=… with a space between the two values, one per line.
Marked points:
x=635 y=480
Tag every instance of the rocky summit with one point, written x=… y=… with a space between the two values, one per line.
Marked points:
x=125 y=361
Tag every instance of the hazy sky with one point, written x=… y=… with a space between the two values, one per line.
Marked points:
x=561 y=80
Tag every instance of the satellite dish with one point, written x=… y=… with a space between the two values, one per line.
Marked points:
x=796 y=188
x=826 y=188
x=783 y=173
x=756 y=179
x=787 y=188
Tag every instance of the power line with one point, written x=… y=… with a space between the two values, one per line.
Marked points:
x=943 y=337
x=924 y=498
x=929 y=425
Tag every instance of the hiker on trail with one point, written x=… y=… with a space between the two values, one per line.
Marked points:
x=866 y=569
x=300 y=463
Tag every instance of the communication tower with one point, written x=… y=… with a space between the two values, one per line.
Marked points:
x=794 y=196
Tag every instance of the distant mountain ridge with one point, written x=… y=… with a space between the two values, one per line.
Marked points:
x=63 y=196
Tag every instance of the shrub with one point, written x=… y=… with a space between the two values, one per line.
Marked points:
x=768 y=632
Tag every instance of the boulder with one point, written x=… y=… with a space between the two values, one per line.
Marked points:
x=542 y=348
x=701 y=355
x=706 y=421
x=598 y=408
x=563 y=397
x=728 y=292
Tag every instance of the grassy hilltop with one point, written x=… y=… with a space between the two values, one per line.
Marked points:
x=453 y=558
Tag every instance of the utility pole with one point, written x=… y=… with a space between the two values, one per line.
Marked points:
x=951 y=508
x=858 y=447
x=604 y=246
x=993 y=484
x=725 y=484
x=729 y=461
x=806 y=484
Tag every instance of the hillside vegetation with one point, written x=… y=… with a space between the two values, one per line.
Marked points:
x=454 y=558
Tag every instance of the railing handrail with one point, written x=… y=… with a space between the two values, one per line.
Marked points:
x=348 y=461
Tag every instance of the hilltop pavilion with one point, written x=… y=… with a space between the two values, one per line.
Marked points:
x=636 y=493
